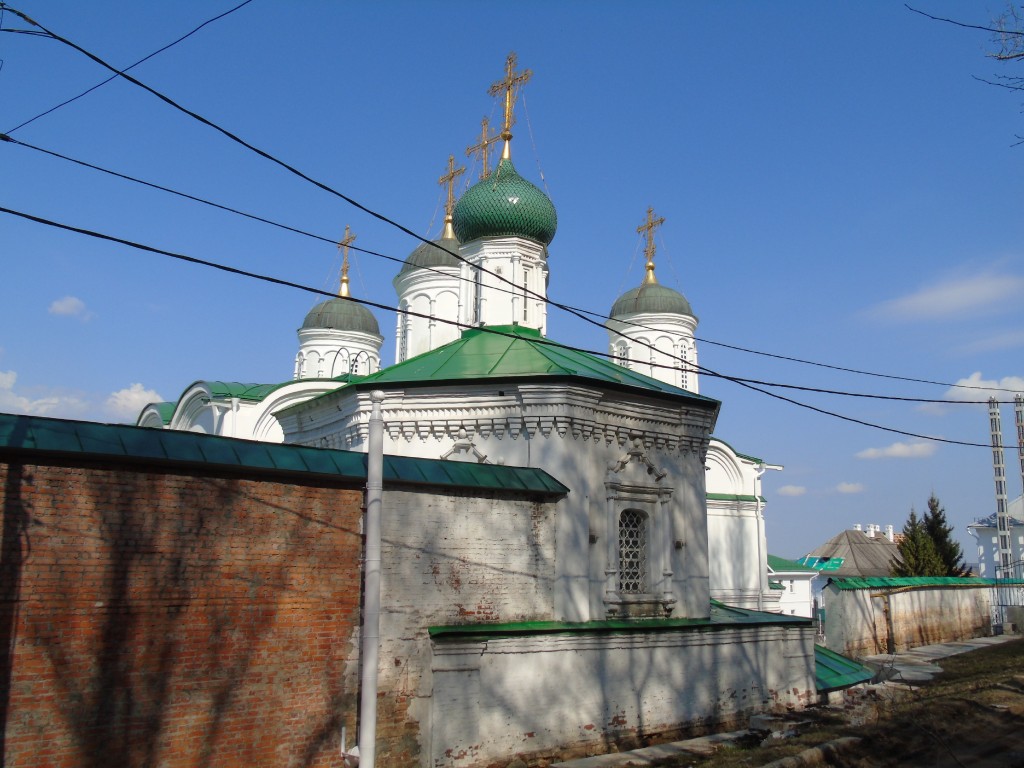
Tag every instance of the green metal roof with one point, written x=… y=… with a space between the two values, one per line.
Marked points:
x=651 y=297
x=722 y=616
x=833 y=671
x=430 y=256
x=253 y=392
x=781 y=564
x=341 y=314
x=165 y=411
x=36 y=435
x=915 y=582
x=504 y=205
x=516 y=352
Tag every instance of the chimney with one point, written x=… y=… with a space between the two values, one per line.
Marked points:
x=889 y=534
x=871 y=530
x=856 y=526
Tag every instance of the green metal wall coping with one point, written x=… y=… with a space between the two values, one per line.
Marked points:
x=916 y=582
x=734 y=497
x=34 y=435
x=722 y=617
x=833 y=671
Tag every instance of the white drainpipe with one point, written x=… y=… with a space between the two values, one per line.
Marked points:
x=371 y=597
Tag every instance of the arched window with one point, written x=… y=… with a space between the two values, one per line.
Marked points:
x=632 y=552
x=622 y=355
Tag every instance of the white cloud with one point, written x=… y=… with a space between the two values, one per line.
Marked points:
x=791 y=490
x=850 y=487
x=71 y=306
x=993 y=342
x=979 y=293
x=899 y=451
x=65 y=406
x=125 y=404
x=976 y=388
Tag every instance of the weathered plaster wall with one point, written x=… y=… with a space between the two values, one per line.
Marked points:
x=459 y=559
x=857 y=624
x=559 y=696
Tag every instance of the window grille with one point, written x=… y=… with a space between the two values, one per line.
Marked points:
x=632 y=552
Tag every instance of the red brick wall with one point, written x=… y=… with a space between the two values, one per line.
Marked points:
x=153 y=617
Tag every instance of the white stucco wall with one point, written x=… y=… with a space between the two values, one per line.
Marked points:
x=573 y=431
x=502 y=696
x=856 y=620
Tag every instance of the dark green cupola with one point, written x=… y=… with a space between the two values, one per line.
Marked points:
x=505 y=205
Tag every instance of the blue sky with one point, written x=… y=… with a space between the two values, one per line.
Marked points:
x=836 y=187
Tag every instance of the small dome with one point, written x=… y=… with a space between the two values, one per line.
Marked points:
x=428 y=255
x=340 y=314
x=651 y=297
x=505 y=205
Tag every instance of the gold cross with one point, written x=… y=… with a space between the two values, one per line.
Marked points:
x=508 y=85
x=647 y=230
x=343 y=245
x=483 y=148
x=449 y=180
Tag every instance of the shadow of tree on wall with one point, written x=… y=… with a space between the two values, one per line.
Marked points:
x=180 y=618
x=13 y=547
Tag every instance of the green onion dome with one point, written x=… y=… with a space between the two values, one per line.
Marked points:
x=430 y=256
x=505 y=205
x=651 y=297
x=340 y=314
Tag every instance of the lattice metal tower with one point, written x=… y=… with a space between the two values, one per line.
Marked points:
x=999 y=470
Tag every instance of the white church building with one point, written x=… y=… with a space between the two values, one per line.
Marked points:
x=656 y=557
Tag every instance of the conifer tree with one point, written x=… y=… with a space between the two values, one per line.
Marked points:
x=918 y=551
x=940 y=532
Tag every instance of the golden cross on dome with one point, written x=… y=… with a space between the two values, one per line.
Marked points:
x=647 y=230
x=483 y=148
x=509 y=85
x=343 y=245
x=448 y=179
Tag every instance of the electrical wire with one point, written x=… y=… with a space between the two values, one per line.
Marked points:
x=544 y=342
x=584 y=315
x=114 y=77
x=377 y=254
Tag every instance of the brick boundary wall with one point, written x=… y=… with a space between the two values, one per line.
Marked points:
x=153 y=616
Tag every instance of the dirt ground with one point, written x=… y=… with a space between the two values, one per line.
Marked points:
x=972 y=714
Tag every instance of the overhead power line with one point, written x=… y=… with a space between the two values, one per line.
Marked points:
x=547 y=342
x=140 y=61
x=593 y=313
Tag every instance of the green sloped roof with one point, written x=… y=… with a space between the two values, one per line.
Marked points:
x=515 y=352
x=25 y=435
x=781 y=564
x=833 y=671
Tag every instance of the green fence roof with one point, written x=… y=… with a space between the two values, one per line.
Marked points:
x=916 y=582
x=34 y=435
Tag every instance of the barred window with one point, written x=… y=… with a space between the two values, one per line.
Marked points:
x=632 y=552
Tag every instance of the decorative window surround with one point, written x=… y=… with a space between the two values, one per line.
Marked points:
x=634 y=485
